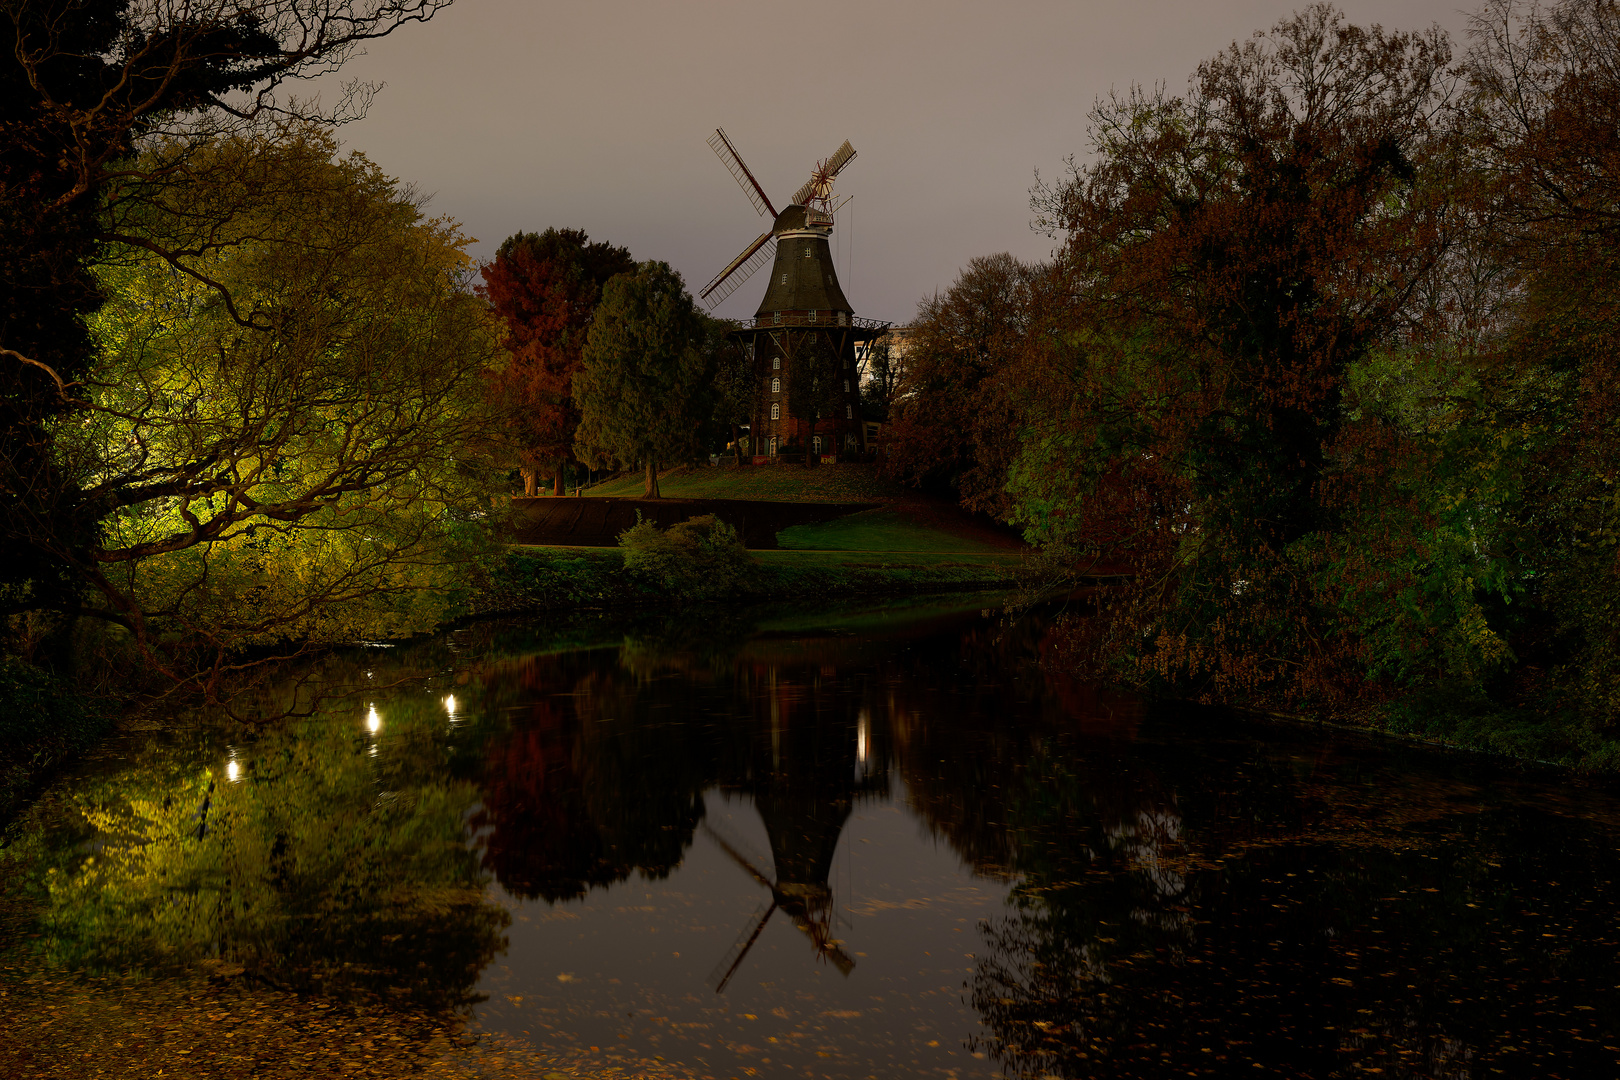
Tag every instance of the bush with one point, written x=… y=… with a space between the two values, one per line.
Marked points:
x=698 y=559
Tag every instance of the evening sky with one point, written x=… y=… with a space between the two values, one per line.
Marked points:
x=517 y=115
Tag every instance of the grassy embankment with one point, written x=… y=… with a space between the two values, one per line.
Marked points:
x=908 y=544
x=768 y=483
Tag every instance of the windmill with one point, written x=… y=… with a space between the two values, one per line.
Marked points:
x=814 y=197
x=803 y=306
x=807 y=904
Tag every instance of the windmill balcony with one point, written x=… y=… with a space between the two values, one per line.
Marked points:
x=810 y=318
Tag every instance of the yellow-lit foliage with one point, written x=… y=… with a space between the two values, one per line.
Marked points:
x=321 y=853
x=283 y=437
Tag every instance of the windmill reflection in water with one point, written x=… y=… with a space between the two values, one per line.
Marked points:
x=804 y=801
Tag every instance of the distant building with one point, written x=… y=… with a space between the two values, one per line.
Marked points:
x=897 y=338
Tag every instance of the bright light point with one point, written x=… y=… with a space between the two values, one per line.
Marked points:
x=450 y=704
x=231 y=770
x=373 y=721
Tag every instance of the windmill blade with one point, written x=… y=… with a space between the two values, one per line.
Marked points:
x=734 y=165
x=738 y=270
x=824 y=174
x=740 y=951
x=739 y=858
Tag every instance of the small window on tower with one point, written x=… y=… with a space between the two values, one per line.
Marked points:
x=849 y=412
x=846 y=386
x=776 y=414
x=776 y=363
x=784 y=279
x=776 y=386
x=807 y=253
x=812 y=314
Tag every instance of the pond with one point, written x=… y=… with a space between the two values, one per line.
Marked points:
x=881 y=840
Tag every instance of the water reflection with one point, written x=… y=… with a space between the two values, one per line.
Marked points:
x=305 y=862
x=855 y=843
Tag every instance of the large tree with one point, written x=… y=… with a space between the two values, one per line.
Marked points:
x=82 y=83
x=1229 y=257
x=736 y=384
x=301 y=466
x=544 y=288
x=1536 y=455
x=954 y=423
x=645 y=389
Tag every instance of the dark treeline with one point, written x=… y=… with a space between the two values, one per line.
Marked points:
x=1325 y=355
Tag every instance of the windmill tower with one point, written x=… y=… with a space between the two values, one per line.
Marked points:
x=804 y=318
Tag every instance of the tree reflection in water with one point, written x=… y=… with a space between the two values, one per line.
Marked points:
x=610 y=782
x=325 y=855
x=1185 y=894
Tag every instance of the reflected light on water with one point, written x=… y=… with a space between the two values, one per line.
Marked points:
x=373 y=720
x=863 y=743
x=232 y=770
x=450 y=706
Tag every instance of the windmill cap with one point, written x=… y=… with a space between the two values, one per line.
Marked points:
x=794 y=219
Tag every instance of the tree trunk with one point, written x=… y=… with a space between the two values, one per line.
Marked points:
x=652 y=480
x=810 y=446
x=560 y=482
x=529 y=481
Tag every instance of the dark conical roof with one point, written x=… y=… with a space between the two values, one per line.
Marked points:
x=803 y=277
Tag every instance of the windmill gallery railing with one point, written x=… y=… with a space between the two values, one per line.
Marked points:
x=819 y=319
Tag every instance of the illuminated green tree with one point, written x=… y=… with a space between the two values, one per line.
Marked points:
x=645 y=389
x=284 y=445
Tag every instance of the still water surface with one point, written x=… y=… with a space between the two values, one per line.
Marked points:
x=848 y=843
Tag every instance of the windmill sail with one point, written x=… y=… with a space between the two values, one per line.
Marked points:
x=820 y=182
x=734 y=164
x=738 y=270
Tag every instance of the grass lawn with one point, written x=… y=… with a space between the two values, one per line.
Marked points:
x=1003 y=559
x=768 y=483
x=885 y=529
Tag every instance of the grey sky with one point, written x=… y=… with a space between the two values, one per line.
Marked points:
x=518 y=115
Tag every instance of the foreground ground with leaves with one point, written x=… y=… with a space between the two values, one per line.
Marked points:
x=219 y=1025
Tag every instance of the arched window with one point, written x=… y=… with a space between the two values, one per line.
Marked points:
x=776 y=386
x=846 y=386
x=776 y=414
x=776 y=363
x=849 y=412
x=773 y=441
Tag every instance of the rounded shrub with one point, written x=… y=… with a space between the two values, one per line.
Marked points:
x=698 y=559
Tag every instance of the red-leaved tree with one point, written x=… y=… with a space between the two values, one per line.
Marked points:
x=544 y=288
